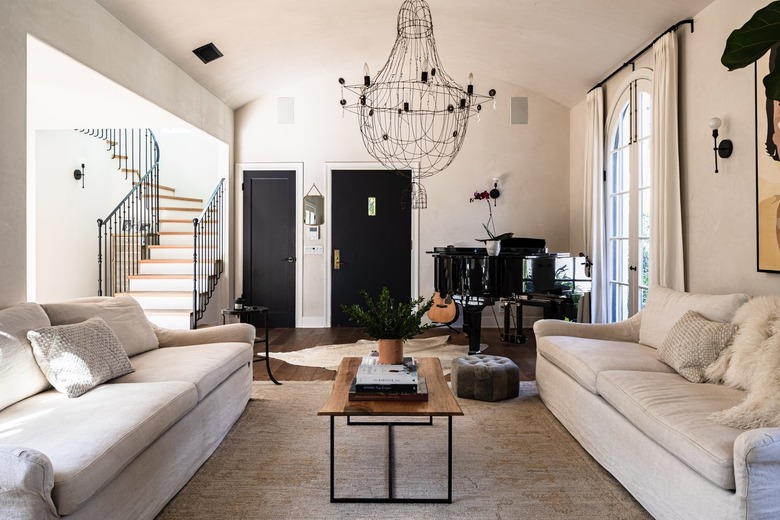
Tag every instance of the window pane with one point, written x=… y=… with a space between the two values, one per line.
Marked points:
x=645 y=210
x=644 y=163
x=645 y=114
x=624 y=127
x=619 y=302
x=642 y=297
x=644 y=262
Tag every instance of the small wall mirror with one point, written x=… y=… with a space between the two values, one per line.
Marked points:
x=314 y=208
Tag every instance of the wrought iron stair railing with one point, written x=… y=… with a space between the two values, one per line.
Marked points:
x=125 y=234
x=208 y=252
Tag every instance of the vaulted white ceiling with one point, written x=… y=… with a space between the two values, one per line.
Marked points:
x=559 y=48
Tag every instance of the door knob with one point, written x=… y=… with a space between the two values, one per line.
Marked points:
x=289 y=259
x=632 y=268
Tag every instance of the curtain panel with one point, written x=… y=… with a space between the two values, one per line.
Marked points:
x=666 y=235
x=593 y=203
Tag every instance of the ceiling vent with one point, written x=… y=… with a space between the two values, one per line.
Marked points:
x=207 y=53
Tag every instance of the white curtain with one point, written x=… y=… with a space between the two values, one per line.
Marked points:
x=666 y=238
x=593 y=203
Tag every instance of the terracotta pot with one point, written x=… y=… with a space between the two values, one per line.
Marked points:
x=391 y=351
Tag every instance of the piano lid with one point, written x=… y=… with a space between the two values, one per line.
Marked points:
x=509 y=246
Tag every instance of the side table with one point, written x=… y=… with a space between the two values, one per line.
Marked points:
x=249 y=315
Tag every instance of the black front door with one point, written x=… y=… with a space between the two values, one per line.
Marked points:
x=269 y=244
x=371 y=238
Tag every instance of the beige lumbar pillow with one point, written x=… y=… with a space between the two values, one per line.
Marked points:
x=76 y=358
x=693 y=343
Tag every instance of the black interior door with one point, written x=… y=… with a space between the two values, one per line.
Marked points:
x=372 y=236
x=269 y=244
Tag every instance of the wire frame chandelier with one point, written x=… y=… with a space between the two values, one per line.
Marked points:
x=412 y=115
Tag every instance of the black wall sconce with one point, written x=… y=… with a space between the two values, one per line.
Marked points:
x=79 y=174
x=725 y=147
x=494 y=193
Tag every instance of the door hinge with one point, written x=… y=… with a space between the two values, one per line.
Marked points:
x=242 y=186
x=604 y=173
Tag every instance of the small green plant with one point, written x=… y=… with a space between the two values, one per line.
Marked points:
x=386 y=318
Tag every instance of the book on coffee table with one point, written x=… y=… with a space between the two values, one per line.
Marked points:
x=393 y=394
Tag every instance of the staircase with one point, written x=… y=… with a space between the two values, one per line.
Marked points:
x=162 y=249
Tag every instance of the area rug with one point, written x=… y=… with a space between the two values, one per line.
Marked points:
x=329 y=356
x=512 y=460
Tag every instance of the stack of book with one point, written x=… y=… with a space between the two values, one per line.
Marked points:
x=375 y=381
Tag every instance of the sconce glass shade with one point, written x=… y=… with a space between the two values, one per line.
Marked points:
x=715 y=123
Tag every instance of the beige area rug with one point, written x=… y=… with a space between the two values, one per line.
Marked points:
x=329 y=356
x=512 y=460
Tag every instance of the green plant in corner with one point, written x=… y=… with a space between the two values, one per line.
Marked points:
x=385 y=318
x=751 y=41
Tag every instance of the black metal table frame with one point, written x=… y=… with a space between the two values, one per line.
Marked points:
x=248 y=312
x=390 y=464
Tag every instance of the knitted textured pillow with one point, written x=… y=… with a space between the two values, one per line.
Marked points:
x=76 y=358
x=693 y=343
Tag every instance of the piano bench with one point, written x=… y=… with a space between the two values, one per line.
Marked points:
x=485 y=378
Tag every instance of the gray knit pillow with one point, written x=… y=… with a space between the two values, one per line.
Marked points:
x=76 y=358
x=693 y=343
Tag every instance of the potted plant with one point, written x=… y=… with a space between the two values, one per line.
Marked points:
x=390 y=322
x=493 y=242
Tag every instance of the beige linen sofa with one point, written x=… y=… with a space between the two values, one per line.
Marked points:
x=124 y=448
x=651 y=427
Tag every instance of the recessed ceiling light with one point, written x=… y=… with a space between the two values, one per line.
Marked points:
x=207 y=53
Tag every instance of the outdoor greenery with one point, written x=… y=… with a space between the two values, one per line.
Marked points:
x=386 y=318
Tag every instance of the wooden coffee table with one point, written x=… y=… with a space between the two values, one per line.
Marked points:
x=440 y=403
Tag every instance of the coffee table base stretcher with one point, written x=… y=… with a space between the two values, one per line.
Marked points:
x=390 y=464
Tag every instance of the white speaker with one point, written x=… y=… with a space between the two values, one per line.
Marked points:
x=285 y=110
x=519 y=111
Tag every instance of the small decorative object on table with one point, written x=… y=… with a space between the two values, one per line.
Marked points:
x=387 y=382
x=389 y=322
x=493 y=242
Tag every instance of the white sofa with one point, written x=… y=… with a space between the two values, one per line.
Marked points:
x=123 y=449
x=649 y=426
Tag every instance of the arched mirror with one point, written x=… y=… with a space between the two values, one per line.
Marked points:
x=314 y=208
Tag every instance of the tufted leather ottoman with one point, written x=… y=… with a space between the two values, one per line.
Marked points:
x=487 y=378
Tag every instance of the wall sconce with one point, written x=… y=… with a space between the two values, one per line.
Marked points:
x=494 y=193
x=725 y=147
x=79 y=174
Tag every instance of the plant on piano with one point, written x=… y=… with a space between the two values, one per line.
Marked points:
x=484 y=195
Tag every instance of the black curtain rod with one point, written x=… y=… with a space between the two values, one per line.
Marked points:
x=638 y=54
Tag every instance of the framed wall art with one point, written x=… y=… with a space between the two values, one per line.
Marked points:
x=767 y=169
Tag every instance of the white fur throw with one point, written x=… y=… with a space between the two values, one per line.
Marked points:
x=752 y=363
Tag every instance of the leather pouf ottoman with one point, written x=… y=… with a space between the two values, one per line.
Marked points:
x=486 y=378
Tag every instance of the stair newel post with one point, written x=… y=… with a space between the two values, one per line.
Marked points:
x=100 y=257
x=195 y=307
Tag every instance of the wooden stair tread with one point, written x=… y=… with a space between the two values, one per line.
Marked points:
x=173 y=246
x=129 y=170
x=163 y=276
x=175 y=208
x=167 y=188
x=111 y=142
x=119 y=157
x=175 y=197
x=165 y=261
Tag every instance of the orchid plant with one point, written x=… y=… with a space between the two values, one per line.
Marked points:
x=489 y=226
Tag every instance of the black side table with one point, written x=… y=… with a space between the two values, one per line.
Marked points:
x=249 y=315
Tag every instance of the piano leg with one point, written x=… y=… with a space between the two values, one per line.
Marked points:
x=474 y=331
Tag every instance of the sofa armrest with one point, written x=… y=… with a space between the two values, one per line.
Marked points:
x=756 y=471
x=231 y=333
x=627 y=330
x=26 y=482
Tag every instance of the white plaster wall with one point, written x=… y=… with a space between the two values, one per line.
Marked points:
x=84 y=30
x=531 y=161
x=190 y=161
x=66 y=214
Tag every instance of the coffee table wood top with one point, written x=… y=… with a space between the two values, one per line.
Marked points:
x=440 y=401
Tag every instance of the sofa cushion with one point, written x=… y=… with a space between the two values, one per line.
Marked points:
x=584 y=358
x=205 y=366
x=665 y=307
x=91 y=439
x=674 y=412
x=20 y=376
x=123 y=314
x=693 y=343
x=76 y=358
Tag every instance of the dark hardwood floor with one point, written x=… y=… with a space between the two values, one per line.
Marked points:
x=288 y=340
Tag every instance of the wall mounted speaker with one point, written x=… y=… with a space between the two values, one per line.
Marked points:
x=285 y=110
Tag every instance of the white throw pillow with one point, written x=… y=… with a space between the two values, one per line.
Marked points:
x=76 y=358
x=666 y=306
x=693 y=343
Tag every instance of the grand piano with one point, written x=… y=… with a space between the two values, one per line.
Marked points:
x=523 y=267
